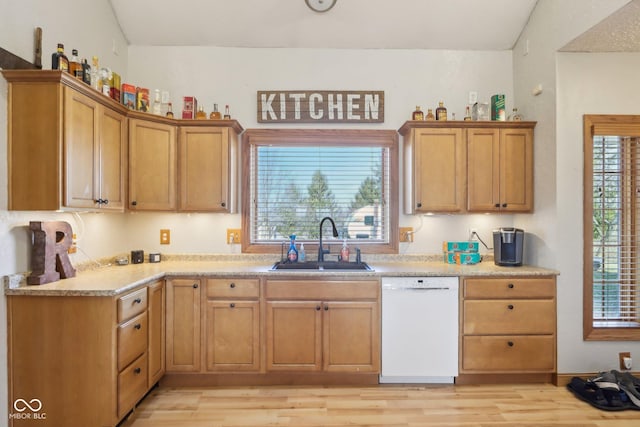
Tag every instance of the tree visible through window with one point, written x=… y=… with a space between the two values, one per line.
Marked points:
x=296 y=178
x=612 y=236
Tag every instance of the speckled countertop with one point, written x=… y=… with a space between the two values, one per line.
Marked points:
x=111 y=280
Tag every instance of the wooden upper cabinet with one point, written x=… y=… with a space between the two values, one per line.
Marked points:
x=434 y=170
x=152 y=165
x=500 y=169
x=207 y=172
x=66 y=144
x=95 y=154
x=468 y=166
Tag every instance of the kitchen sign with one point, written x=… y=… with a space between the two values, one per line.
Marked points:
x=320 y=106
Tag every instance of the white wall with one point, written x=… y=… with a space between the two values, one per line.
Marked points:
x=558 y=152
x=587 y=84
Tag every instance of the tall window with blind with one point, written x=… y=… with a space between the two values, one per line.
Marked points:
x=612 y=227
x=294 y=178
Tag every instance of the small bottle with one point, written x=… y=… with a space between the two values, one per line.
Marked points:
x=59 y=60
x=201 y=115
x=467 y=113
x=215 y=114
x=227 y=115
x=96 y=82
x=157 y=104
x=430 y=115
x=86 y=72
x=302 y=255
x=75 y=67
x=441 y=112
x=515 y=116
x=344 y=252
x=418 y=114
x=292 y=253
x=169 y=110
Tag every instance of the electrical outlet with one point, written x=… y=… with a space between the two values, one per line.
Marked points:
x=406 y=234
x=472 y=233
x=233 y=236
x=625 y=357
x=165 y=236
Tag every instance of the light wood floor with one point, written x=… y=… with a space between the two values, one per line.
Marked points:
x=438 y=405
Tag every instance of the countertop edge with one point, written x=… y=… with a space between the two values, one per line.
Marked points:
x=116 y=280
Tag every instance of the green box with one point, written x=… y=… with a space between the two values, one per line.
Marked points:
x=465 y=246
x=462 y=258
x=498 y=111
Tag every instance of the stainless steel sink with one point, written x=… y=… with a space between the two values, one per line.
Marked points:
x=322 y=266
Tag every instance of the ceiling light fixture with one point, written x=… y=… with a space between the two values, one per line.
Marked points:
x=320 y=5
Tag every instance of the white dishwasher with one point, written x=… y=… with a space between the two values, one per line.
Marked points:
x=419 y=329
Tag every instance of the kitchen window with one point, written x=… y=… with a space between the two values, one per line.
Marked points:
x=611 y=227
x=293 y=178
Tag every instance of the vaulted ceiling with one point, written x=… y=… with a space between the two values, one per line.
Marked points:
x=360 y=24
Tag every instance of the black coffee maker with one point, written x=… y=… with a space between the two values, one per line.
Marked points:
x=507 y=246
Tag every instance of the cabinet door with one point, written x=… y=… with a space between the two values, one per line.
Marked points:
x=351 y=337
x=294 y=335
x=204 y=169
x=183 y=325
x=80 y=150
x=152 y=166
x=516 y=170
x=438 y=170
x=112 y=158
x=156 y=352
x=232 y=334
x=483 y=165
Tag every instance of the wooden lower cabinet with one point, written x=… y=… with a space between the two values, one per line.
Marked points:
x=508 y=329
x=84 y=358
x=232 y=325
x=183 y=325
x=156 y=349
x=322 y=325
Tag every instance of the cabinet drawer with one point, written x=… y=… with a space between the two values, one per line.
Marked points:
x=132 y=340
x=132 y=384
x=322 y=289
x=496 y=317
x=132 y=304
x=508 y=353
x=543 y=287
x=233 y=288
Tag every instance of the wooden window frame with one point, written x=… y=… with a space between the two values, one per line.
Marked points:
x=593 y=125
x=312 y=137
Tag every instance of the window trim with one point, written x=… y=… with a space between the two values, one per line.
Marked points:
x=388 y=138
x=599 y=124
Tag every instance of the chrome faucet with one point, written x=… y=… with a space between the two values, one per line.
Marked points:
x=321 y=250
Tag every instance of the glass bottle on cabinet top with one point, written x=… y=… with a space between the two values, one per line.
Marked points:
x=430 y=115
x=200 y=115
x=59 y=60
x=169 y=110
x=441 y=112
x=75 y=67
x=227 y=114
x=417 y=114
x=215 y=114
x=515 y=116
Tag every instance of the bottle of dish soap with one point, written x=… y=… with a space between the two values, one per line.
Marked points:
x=344 y=252
x=301 y=253
x=292 y=253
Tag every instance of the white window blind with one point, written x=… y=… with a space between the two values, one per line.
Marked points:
x=294 y=185
x=616 y=206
